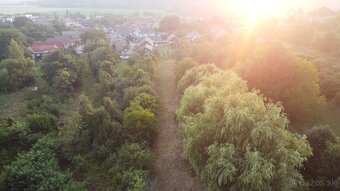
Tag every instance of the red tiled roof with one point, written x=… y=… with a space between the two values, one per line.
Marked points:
x=41 y=47
x=49 y=45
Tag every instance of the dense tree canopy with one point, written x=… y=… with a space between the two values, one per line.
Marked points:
x=290 y=80
x=325 y=162
x=139 y=123
x=182 y=66
x=194 y=76
x=236 y=141
x=62 y=70
x=92 y=35
x=16 y=74
x=39 y=170
x=32 y=30
x=6 y=37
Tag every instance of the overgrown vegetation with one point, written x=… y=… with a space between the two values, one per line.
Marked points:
x=102 y=144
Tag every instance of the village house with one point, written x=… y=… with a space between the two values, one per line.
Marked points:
x=158 y=40
x=144 y=32
x=172 y=39
x=146 y=44
x=39 y=49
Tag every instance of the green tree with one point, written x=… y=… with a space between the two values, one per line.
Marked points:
x=63 y=83
x=100 y=55
x=6 y=36
x=128 y=167
x=183 y=65
x=39 y=170
x=20 y=22
x=16 y=51
x=325 y=162
x=59 y=25
x=62 y=70
x=139 y=123
x=16 y=74
x=14 y=139
x=236 y=140
x=100 y=127
x=92 y=45
x=41 y=123
x=148 y=101
x=93 y=35
x=290 y=80
x=195 y=75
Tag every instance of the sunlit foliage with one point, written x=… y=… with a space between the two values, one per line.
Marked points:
x=235 y=140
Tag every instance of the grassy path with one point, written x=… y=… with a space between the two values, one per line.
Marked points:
x=169 y=170
x=11 y=105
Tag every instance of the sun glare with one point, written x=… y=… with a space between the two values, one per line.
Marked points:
x=252 y=10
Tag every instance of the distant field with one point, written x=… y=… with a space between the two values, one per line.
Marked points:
x=19 y=9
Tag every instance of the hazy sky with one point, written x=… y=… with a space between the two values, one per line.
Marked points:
x=272 y=7
x=221 y=5
x=313 y=4
x=307 y=4
x=284 y=5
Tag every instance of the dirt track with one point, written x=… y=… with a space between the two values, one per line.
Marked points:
x=169 y=171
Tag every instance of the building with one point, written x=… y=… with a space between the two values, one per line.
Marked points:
x=146 y=44
x=172 y=39
x=144 y=32
x=39 y=49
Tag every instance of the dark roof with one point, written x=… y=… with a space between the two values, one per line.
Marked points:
x=324 y=11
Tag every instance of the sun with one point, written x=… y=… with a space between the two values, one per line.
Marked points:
x=252 y=10
x=255 y=9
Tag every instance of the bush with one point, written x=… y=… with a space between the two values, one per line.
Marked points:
x=41 y=123
x=44 y=103
x=148 y=101
x=128 y=167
